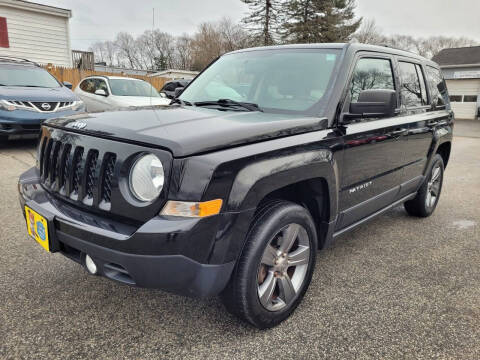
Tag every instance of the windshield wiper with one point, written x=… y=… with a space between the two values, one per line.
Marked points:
x=230 y=103
x=181 y=102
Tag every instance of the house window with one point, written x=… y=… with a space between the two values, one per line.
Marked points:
x=455 y=98
x=470 y=98
x=4 y=33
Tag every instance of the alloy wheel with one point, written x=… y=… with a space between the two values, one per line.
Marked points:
x=283 y=267
x=433 y=187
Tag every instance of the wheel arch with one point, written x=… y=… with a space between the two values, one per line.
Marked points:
x=444 y=150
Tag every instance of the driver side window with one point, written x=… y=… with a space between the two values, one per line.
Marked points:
x=370 y=74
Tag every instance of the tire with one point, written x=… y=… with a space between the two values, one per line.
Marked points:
x=265 y=265
x=424 y=204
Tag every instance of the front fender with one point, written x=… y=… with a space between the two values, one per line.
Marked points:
x=257 y=180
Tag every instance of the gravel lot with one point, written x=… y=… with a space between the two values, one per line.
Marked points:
x=398 y=287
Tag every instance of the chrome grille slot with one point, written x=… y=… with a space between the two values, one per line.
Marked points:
x=76 y=172
x=53 y=162
x=91 y=175
x=46 y=157
x=107 y=177
x=64 y=167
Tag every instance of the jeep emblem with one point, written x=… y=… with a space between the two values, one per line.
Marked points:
x=78 y=125
x=46 y=106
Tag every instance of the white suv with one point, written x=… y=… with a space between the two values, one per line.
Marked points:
x=101 y=93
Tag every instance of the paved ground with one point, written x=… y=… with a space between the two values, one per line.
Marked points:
x=468 y=128
x=397 y=287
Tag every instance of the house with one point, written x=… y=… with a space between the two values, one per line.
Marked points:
x=172 y=74
x=35 y=32
x=461 y=69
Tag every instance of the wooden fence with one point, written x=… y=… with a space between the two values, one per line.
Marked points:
x=74 y=76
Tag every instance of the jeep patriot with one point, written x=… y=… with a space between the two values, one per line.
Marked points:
x=266 y=157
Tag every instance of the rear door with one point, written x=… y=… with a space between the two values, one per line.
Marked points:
x=373 y=159
x=425 y=110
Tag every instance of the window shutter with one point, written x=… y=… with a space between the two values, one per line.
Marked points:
x=4 y=33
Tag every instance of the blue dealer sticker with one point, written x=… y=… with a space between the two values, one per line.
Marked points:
x=41 y=230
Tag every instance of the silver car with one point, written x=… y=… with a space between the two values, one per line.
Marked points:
x=100 y=93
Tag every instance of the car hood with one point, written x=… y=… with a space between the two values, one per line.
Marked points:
x=140 y=101
x=188 y=130
x=20 y=93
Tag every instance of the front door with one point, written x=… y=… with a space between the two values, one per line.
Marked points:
x=373 y=158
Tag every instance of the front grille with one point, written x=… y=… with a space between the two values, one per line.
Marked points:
x=74 y=171
x=108 y=177
x=45 y=106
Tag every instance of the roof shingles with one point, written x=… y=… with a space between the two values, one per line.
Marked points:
x=458 y=56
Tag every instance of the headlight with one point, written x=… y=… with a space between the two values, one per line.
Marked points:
x=6 y=105
x=77 y=104
x=147 y=178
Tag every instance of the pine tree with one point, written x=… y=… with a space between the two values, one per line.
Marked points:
x=263 y=20
x=319 y=21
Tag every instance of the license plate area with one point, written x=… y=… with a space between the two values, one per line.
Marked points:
x=38 y=228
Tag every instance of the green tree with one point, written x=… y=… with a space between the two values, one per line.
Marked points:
x=263 y=20
x=319 y=21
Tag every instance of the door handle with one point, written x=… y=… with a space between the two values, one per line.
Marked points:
x=432 y=123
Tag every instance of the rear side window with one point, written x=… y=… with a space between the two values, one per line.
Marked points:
x=371 y=73
x=413 y=93
x=437 y=87
x=88 y=86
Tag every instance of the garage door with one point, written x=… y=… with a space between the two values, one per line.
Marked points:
x=464 y=97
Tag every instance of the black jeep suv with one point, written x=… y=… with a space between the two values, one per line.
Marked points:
x=267 y=156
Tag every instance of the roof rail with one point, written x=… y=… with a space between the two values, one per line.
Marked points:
x=17 y=59
x=396 y=48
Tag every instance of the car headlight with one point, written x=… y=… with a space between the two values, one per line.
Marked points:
x=5 y=105
x=146 y=178
x=78 y=104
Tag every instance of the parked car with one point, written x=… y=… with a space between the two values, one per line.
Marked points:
x=102 y=93
x=233 y=194
x=28 y=96
x=170 y=87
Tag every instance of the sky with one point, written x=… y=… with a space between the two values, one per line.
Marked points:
x=99 y=20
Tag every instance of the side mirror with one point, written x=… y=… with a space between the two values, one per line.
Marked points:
x=178 y=91
x=67 y=85
x=374 y=104
x=101 y=92
x=163 y=95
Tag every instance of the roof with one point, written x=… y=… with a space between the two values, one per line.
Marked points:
x=340 y=46
x=28 y=5
x=16 y=60
x=113 y=77
x=458 y=57
x=166 y=72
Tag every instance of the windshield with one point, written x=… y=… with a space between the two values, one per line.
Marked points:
x=291 y=80
x=121 y=87
x=27 y=76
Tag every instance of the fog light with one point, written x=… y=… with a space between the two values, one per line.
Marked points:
x=90 y=264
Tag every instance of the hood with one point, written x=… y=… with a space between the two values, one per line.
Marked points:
x=20 y=93
x=188 y=130
x=140 y=101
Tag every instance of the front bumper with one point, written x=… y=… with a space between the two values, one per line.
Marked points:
x=24 y=123
x=151 y=256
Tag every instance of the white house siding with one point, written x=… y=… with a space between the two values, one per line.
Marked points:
x=37 y=36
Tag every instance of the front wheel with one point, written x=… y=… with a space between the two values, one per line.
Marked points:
x=424 y=204
x=276 y=265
